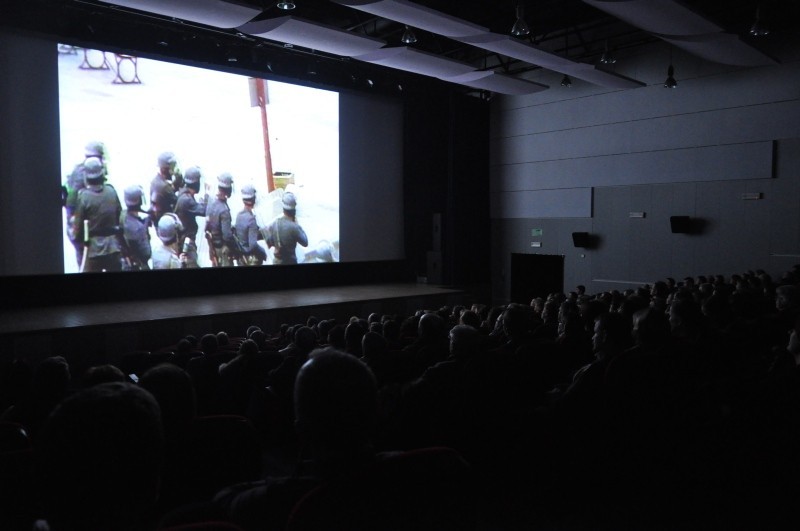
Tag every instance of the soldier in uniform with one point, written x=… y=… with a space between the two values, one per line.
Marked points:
x=246 y=230
x=285 y=233
x=135 y=229
x=188 y=209
x=75 y=183
x=96 y=220
x=218 y=222
x=167 y=255
x=163 y=186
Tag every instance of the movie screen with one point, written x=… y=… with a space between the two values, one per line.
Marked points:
x=171 y=166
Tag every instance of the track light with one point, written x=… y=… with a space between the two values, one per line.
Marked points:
x=566 y=81
x=607 y=58
x=408 y=36
x=670 y=81
x=758 y=29
x=520 y=27
x=287 y=6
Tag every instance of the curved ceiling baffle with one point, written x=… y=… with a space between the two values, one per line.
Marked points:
x=428 y=19
x=217 y=13
x=678 y=25
x=299 y=32
x=329 y=39
x=336 y=41
x=511 y=47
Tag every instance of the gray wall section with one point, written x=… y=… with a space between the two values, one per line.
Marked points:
x=29 y=146
x=690 y=151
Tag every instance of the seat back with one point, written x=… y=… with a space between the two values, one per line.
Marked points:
x=423 y=489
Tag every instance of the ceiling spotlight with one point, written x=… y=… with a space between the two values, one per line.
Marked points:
x=520 y=27
x=670 y=81
x=286 y=5
x=408 y=36
x=370 y=83
x=758 y=29
x=607 y=58
x=566 y=81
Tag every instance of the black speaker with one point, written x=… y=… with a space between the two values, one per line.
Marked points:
x=437 y=232
x=680 y=224
x=580 y=239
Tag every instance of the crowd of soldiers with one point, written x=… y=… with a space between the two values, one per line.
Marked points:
x=108 y=238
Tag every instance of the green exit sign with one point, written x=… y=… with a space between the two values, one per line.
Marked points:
x=536 y=232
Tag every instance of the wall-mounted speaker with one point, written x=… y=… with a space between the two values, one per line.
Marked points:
x=680 y=224
x=580 y=239
x=437 y=231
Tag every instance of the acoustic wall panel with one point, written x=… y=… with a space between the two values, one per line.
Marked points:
x=715 y=127
x=731 y=90
x=708 y=163
x=564 y=203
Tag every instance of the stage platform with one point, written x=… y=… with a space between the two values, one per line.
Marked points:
x=100 y=333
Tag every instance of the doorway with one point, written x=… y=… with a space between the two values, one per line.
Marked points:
x=535 y=275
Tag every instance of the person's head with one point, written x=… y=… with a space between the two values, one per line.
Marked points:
x=248 y=348
x=192 y=178
x=249 y=195
x=431 y=327
x=336 y=336
x=470 y=318
x=374 y=346
x=335 y=399
x=464 y=341
x=95 y=148
x=391 y=330
x=323 y=328
x=352 y=337
x=209 y=344
x=516 y=321
x=94 y=173
x=224 y=185
x=169 y=228
x=166 y=164
x=102 y=374
x=183 y=345
x=289 y=203
x=222 y=338
x=684 y=314
x=51 y=378
x=133 y=197
x=787 y=297
x=612 y=332
x=99 y=458
x=174 y=391
x=305 y=339
x=650 y=328
x=260 y=339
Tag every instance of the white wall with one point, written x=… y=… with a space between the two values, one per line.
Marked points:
x=582 y=158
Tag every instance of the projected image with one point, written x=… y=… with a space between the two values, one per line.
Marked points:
x=167 y=166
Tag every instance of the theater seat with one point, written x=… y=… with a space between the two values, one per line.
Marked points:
x=204 y=526
x=425 y=489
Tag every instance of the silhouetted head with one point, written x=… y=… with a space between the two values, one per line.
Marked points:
x=173 y=389
x=431 y=327
x=99 y=458
x=335 y=399
x=464 y=341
